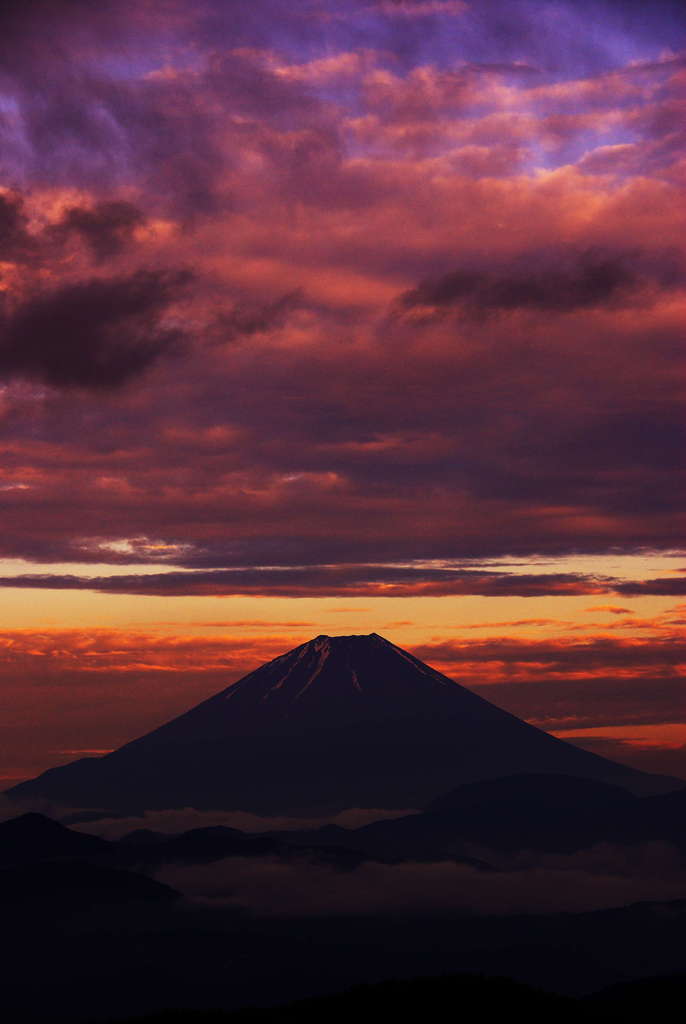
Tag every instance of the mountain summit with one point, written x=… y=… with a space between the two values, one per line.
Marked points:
x=328 y=681
x=344 y=721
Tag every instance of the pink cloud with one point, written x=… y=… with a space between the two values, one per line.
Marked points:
x=276 y=407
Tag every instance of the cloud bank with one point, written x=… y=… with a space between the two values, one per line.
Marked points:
x=591 y=880
x=437 y=292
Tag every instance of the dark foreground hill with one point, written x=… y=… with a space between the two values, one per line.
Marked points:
x=338 y=722
x=93 y=939
x=469 y=997
x=73 y=886
x=116 y=963
x=464 y=996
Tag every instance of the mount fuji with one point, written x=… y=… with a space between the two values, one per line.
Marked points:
x=345 y=721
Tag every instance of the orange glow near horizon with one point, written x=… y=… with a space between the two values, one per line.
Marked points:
x=110 y=672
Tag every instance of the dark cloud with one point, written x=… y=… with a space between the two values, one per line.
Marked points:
x=96 y=334
x=253 y=88
x=248 y=318
x=386 y=581
x=629 y=693
x=19 y=21
x=106 y=228
x=551 y=657
x=16 y=242
x=669 y=586
x=360 y=580
x=550 y=281
x=662 y=760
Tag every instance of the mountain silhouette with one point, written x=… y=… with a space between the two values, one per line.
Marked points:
x=58 y=887
x=545 y=813
x=348 y=721
x=34 y=837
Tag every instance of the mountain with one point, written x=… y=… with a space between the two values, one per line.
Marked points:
x=348 y=721
x=58 y=887
x=537 y=813
x=34 y=837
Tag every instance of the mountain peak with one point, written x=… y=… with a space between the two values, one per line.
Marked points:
x=359 y=643
x=325 y=639
x=334 y=679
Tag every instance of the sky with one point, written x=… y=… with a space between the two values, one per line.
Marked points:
x=341 y=317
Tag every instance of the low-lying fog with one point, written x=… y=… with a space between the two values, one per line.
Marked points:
x=605 y=876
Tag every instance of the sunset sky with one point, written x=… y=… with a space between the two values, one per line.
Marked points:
x=341 y=316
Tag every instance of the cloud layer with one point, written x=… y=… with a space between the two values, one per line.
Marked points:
x=599 y=878
x=437 y=289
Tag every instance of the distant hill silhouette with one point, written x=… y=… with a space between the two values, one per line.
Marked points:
x=204 y=845
x=542 y=792
x=69 y=886
x=32 y=837
x=545 y=813
x=338 y=722
x=548 y=813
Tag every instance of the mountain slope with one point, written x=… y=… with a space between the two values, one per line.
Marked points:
x=337 y=722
